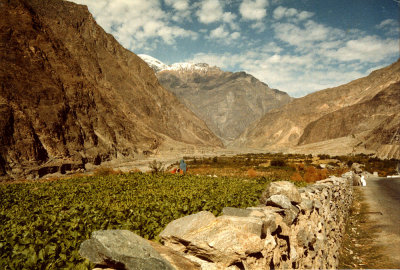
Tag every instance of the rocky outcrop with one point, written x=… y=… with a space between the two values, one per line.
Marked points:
x=358 y=111
x=70 y=94
x=228 y=102
x=292 y=229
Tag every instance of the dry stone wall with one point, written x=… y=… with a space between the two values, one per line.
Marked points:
x=293 y=228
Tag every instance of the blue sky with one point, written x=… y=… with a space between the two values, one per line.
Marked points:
x=297 y=46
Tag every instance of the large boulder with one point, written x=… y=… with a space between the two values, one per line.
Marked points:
x=122 y=249
x=187 y=224
x=281 y=188
x=226 y=240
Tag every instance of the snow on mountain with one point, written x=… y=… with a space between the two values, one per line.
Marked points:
x=159 y=66
x=154 y=63
x=188 y=67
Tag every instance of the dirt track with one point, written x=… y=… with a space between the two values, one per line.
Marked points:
x=382 y=196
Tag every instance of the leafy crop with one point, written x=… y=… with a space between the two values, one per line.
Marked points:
x=43 y=224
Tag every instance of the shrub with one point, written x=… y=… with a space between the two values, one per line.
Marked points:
x=104 y=171
x=252 y=173
x=322 y=174
x=278 y=163
x=349 y=163
x=156 y=166
x=311 y=174
x=296 y=177
x=323 y=156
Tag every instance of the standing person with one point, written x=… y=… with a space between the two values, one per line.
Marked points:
x=183 y=166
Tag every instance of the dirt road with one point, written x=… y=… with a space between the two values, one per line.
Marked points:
x=382 y=195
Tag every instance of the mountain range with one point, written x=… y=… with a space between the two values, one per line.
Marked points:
x=71 y=94
x=361 y=116
x=227 y=101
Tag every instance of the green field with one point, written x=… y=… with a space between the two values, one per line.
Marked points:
x=43 y=224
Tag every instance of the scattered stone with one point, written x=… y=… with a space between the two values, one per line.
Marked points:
x=122 y=249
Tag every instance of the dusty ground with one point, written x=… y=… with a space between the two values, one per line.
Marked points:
x=363 y=246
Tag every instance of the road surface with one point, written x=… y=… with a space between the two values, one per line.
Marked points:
x=383 y=197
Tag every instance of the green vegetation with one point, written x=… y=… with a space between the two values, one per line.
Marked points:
x=372 y=164
x=43 y=224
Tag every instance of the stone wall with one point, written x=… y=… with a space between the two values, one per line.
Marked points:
x=292 y=228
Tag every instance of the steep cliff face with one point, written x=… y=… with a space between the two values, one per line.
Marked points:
x=353 y=110
x=70 y=94
x=228 y=102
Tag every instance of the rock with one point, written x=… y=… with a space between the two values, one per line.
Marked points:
x=232 y=211
x=225 y=240
x=269 y=223
x=304 y=237
x=282 y=188
x=224 y=246
x=175 y=258
x=357 y=168
x=279 y=200
x=269 y=244
x=356 y=180
x=122 y=249
x=290 y=215
x=185 y=225
x=306 y=205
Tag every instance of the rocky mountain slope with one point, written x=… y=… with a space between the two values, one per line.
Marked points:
x=365 y=111
x=228 y=102
x=70 y=94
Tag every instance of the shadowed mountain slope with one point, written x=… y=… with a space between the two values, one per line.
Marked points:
x=70 y=94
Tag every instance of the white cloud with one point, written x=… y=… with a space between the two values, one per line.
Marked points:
x=325 y=64
x=388 y=22
x=253 y=9
x=178 y=4
x=220 y=34
x=390 y=27
x=135 y=23
x=229 y=18
x=366 y=49
x=281 y=12
x=210 y=11
x=291 y=13
x=306 y=36
x=259 y=26
x=181 y=10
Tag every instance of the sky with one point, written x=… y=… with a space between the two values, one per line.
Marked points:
x=296 y=46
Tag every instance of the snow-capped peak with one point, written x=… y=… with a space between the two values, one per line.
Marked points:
x=188 y=67
x=159 y=66
x=154 y=63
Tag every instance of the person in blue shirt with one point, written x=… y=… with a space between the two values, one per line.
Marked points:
x=183 y=166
